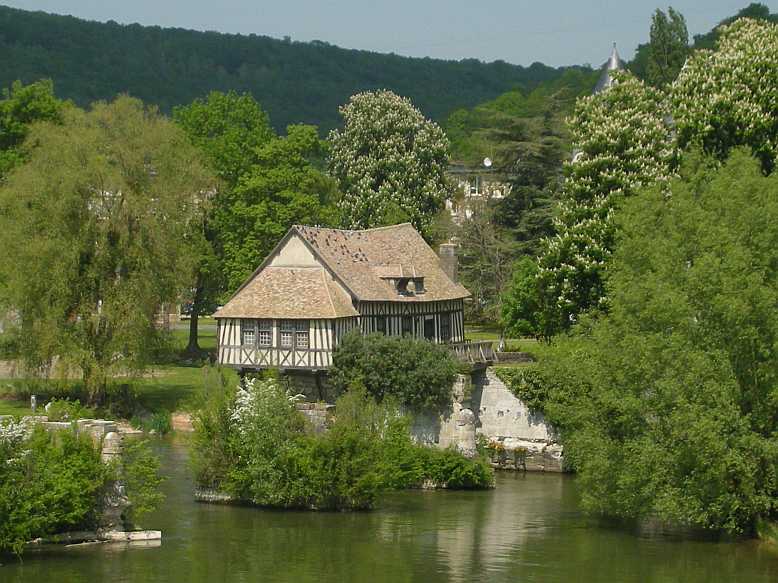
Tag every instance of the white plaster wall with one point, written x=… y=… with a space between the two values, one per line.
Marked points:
x=294 y=254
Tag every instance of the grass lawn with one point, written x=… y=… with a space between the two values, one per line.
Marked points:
x=171 y=386
x=480 y=333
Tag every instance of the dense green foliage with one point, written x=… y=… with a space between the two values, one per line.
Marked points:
x=20 y=107
x=622 y=143
x=48 y=484
x=632 y=135
x=67 y=410
x=54 y=482
x=520 y=315
x=297 y=82
x=667 y=405
x=727 y=98
x=640 y=63
x=98 y=223
x=508 y=126
x=283 y=187
x=417 y=373
x=524 y=135
x=227 y=128
x=257 y=447
x=138 y=470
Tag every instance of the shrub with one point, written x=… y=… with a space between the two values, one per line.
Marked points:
x=419 y=374
x=448 y=468
x=49 y=483
x=257 y=447
x=67 y=410
x=139 y=471
x=212 y=454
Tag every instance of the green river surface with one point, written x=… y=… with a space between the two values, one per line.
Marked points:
x=530 y=528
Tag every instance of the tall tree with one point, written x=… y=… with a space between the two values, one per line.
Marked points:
x=485 y=257
x=666 y=406
x=535 y=172
x=388 y=158
x=20 y=107
x=622 y=144
x=668 y=48
x=727 y=97
x=282 y=188
x=97 y=229
x=228 y=128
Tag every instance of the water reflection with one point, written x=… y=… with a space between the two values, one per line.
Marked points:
x=528 y=529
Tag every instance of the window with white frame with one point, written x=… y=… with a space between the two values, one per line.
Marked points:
x=248 y=332
x=301 y=339
x=265 y=333
x=295 y=334
x=287 y=333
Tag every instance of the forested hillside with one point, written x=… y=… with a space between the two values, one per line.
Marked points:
x=294 y=81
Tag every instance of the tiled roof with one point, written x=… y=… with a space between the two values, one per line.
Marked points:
x=363 y=260
x=289 y=292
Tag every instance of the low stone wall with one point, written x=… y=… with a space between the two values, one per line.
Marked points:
x=314 y=386
x=317 y=413
x=482 y=405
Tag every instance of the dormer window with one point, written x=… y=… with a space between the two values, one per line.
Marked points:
x=410 y=286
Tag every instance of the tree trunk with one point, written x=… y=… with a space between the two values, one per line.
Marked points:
x=193 y=346
x=95 y=384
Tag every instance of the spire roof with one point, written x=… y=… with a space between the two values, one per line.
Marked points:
x=614 y=63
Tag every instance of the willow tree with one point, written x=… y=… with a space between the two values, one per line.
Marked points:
x=96 y=229
x=389 y=162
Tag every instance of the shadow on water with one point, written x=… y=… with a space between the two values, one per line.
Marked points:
x=529 y=528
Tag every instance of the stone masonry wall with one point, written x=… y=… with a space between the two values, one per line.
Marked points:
x=483 y=405
x=502 y=417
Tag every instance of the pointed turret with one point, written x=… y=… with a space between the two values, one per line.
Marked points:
x=614 y=63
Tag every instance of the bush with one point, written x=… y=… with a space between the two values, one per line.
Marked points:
x=160 y=422
x=212 y=453
x=67 y=410
x=447 y=468
x=419 y=374
x=139 y=471
x=257 y=447
x=49 y=483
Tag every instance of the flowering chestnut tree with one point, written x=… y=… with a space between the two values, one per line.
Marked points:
x=622 y=142
x=729 y=97
x=389 y=161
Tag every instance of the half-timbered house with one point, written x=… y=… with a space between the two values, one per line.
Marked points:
x=317 y=284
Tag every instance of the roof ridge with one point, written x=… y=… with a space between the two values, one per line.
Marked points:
x=355 y=230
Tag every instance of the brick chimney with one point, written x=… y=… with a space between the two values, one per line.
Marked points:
x=448 y=260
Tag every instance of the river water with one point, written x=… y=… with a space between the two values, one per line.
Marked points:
x=528 y=529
